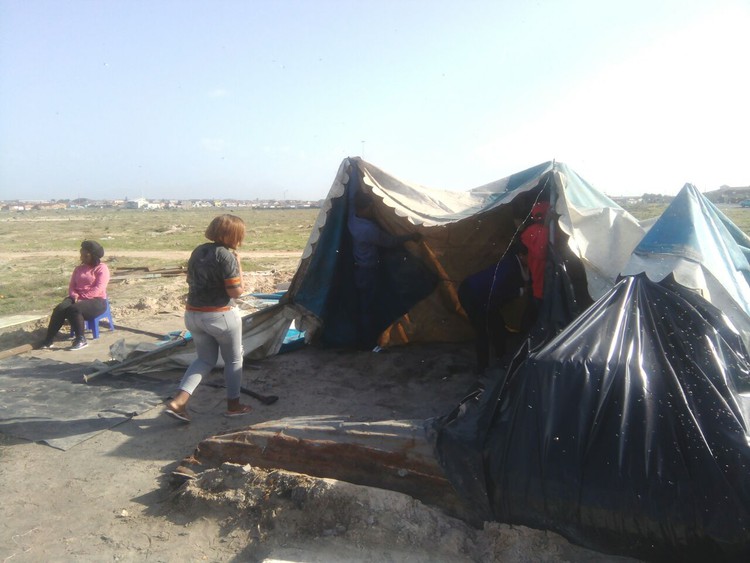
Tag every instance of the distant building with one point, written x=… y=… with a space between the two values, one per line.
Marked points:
x=136 y=203
x=142 y=203
x=624 y=201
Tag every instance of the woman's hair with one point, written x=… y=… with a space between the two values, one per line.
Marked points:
x=95 y=249
x=228 y=230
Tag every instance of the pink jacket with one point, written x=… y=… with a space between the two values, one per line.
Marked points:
x=89 y=282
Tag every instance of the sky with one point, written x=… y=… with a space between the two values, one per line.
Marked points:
x=263 y=99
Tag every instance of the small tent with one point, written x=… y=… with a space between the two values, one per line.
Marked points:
x=694 y=242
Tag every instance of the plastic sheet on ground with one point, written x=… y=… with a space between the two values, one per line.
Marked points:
x=47 y=401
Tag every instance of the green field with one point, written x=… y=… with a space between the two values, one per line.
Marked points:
x=37 y=282
x=134 y=229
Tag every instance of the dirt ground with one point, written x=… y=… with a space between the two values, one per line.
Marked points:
x=113 y=497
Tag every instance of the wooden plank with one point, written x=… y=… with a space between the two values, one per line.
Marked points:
x=128 y=270
x=165 y=273
x=390 y=454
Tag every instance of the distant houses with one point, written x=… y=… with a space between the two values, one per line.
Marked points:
x=629 y=201
x=724 y=195
x=150 y=204
x=729 y=194
x=29 y=205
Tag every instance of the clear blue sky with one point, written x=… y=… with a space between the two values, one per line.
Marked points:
x=263 y=99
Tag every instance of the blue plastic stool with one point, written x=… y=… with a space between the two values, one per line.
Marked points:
x=93 y=324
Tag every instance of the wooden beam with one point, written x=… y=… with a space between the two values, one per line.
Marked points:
x=390 y=454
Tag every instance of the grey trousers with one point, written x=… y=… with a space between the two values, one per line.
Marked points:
x=214 y=332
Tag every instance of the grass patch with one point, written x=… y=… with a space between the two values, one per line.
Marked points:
x=26 y=281
x=135 y=229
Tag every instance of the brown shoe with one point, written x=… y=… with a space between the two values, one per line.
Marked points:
x=239 y=411
x=179 y=414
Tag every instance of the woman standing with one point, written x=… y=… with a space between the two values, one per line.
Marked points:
x=87 y=296
x=214 y=278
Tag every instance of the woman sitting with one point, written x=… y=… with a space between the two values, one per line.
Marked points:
x=87 y=296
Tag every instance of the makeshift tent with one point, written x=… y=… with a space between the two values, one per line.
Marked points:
x=463 y=232
x=628 y=431
x=694 y=242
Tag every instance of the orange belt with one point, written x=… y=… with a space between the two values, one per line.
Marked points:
x=207 y=309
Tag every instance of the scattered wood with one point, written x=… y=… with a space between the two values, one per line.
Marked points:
x=130 y=270
x=391 y=454
x=170 y=271
x=144 y=272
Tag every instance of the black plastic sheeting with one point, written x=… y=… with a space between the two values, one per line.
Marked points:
x=626 y=433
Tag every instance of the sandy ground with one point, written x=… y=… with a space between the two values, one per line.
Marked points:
x=113 y=497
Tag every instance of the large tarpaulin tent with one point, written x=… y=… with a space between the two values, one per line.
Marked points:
x=628 y=431
x=462 y=233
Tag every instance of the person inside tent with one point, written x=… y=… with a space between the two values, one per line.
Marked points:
x=489 y=297
x=367 y=239
x=87 y=296
x=535 y=237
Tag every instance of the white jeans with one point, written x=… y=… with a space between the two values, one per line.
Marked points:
x=212 y=332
